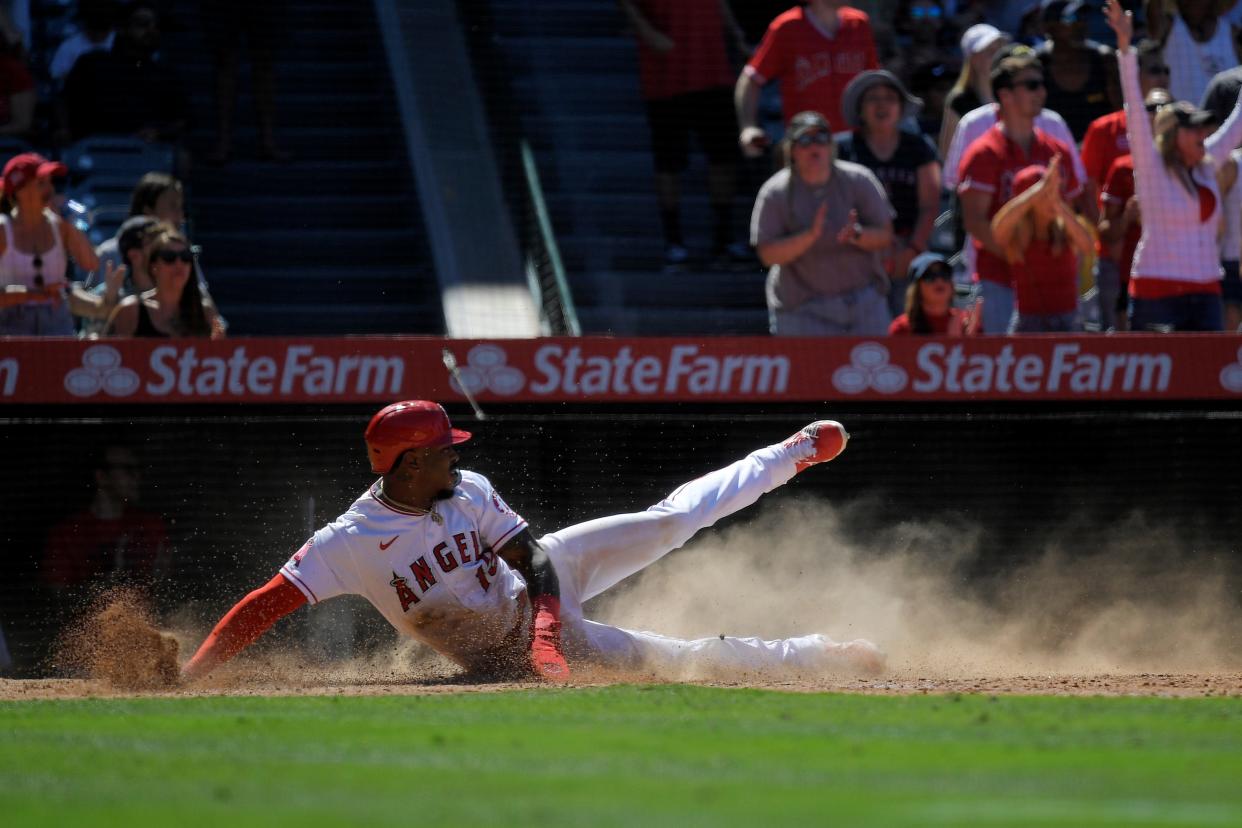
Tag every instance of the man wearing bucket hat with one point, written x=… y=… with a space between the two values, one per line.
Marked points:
x=877 y=105
x=820 y=225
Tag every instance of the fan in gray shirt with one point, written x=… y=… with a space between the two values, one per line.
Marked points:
x=820 y=225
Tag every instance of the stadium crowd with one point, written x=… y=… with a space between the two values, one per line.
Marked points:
x=1024 y=179
x=994 y=135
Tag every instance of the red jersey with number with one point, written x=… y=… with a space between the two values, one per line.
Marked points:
x=698 y=59
x=813 y=66
x=989 y=165
x=1046 y=280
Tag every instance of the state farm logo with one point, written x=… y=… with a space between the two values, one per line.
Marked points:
x=101 y=371
x=869 y=369
x=1231 y=375
x=486 y=369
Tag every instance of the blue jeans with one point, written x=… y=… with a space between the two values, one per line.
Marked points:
x=997 y=306
x=861 y=312
x=1192 y=312
x=1107 y=292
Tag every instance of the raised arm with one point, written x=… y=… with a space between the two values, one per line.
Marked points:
x=243 y=624
x=529 y=559
x=1138 y=128
x=1226 y=138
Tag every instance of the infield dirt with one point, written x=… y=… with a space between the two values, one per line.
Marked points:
x=1141 y=614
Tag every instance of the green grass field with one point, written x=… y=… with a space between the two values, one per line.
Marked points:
x=624 y=755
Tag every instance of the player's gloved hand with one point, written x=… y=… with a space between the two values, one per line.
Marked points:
x=545 y=649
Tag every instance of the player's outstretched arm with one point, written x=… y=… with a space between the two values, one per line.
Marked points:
x=245 y=622
x=525 y=555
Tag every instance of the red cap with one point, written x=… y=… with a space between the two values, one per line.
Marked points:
x=1028 y=177
x=408 y=425
x=24 y=168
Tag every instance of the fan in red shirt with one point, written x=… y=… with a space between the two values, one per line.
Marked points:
x=1042 y=240
x=814 y=51
x=929 y=302
x=989 y=166
x=111 y=541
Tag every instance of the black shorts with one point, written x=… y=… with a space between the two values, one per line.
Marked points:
x=707 y=113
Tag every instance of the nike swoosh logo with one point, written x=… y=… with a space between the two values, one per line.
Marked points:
x=384 y=546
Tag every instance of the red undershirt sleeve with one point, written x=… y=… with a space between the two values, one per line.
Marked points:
x=245 y=622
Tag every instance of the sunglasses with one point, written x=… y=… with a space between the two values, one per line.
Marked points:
x=1158 y=70
x=821 y=138
x=1031 y=85
x=928 y=13
x=170 y=256
x=936 y=274
x=1154 y=107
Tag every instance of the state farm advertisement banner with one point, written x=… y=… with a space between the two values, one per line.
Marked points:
x=602 y=369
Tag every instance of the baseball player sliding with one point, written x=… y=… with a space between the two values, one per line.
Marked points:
x=447 y=562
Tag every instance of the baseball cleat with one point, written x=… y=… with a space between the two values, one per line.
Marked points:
x=819 y=442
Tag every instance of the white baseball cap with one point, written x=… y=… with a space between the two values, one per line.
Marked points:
x=979 y=37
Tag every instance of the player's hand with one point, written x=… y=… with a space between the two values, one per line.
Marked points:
x=753 y=141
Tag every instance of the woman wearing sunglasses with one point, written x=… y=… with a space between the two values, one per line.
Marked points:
x=174 y=307
x=929 y=302
x=1175 y=280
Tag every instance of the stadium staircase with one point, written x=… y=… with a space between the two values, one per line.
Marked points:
x=331 y=242
x=573 y=69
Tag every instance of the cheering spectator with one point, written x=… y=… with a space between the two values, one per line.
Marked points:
x=174 y=307
x=1175 y=278
x=130 y=247
x=35 y=246
x=1198 y=43
x=814 y=51
x=1231 y=240
x=1103 y=151
x=1079 y=74
x=686 y=82
x=875 y=104
x=987 y=172
x=819 y=226
x=921 y=22
x=929 y=302
x=17 y=88
x=973 y=89
x=126 y=91
x=98 y=20
x=1042 y=240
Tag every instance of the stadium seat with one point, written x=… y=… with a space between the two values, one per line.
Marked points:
x=116 y=156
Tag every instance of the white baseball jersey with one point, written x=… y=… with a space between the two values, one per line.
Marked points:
x=436 y=580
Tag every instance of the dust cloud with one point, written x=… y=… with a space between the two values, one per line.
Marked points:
x=1133 y=599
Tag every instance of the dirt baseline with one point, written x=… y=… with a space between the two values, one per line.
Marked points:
x=1182 y=685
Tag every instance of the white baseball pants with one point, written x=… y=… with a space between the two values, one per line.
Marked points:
x=593 y=556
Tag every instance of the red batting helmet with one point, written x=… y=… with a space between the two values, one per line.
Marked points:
x=408 y=425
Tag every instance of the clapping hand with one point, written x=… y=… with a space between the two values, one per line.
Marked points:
x=114 y=277
x=851 y=231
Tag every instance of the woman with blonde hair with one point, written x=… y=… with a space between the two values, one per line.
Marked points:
x=1042 y=240
x=1175 y=280
x=174 y=307
x=973 y=88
